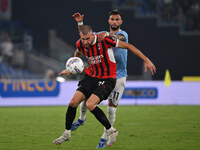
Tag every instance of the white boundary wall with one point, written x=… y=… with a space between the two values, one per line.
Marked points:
x=137 y=93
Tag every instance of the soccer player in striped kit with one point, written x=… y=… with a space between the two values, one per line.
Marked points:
x=115 y=21
x=99 y=81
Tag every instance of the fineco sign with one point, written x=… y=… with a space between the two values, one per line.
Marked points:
x=29 y=88
x=140 y=93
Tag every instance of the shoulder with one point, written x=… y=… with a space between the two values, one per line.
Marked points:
x=99 y=32
x=109 y=38
x=123 y=33
x=110 y=41
x=78 y=43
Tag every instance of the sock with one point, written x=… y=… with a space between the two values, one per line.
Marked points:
x=70 y=115
x=111 y=129
x=83 y=110
x=104 y=136
x=68 y=131
x=111 y=111
x=101 y=117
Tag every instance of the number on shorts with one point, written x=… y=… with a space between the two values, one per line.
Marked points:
x=115 y=95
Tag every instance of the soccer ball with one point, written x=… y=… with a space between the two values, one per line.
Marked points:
x=74 y=65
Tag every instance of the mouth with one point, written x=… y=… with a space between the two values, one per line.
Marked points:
x=114 y=25
x=86 y=45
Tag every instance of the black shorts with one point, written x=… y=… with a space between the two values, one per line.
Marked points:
x=100 y=87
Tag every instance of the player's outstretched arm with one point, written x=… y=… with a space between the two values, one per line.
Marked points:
x=121 y=37
x=137 y=52
x=65 y=72
x=79 y=18
x=117 y=36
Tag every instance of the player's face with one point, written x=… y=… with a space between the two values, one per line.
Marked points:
x=115 y=22
x=87 y=39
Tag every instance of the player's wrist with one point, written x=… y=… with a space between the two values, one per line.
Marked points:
x=80 y=23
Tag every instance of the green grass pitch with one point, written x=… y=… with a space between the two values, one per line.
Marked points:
x=140 y=128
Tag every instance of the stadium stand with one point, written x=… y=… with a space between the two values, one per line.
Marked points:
x=25 y=60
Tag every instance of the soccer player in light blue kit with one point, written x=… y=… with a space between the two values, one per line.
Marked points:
x=115 y=22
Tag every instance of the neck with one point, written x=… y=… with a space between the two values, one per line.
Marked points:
x=113 y=32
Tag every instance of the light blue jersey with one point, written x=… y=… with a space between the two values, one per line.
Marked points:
x=120 y=56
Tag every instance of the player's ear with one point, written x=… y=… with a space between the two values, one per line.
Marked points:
x=121 y=21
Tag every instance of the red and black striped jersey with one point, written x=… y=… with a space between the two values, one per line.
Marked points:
x=100 y=57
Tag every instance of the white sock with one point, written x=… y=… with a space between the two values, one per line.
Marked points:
x=67 y=131
x=111 y=111
x=83 y=110
x=104 y=136
x=111 y=129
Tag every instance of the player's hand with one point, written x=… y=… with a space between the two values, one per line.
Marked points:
x=101 y=36
x=78 y=17
x=65 y=72
x=151 y=67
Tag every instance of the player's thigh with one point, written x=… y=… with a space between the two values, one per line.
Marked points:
x=117 y=92
x=77 y=99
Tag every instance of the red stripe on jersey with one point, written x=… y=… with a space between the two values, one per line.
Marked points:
x=79 y=45
x=97 y=55
x=111 y=42
x=97 y=61
x=92 y=60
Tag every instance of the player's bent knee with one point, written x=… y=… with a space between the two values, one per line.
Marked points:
x=73 y=103
x=90 y=105
x=110 y=103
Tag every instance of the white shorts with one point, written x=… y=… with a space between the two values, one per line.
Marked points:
x=117 y=92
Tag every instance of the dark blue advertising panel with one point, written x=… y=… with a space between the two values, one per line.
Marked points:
x=140 y=93
x=29 y=88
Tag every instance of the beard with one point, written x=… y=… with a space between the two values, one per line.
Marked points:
x=114 y=28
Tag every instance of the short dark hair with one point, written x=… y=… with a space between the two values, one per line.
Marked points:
x=115 y=12
x=85 y=29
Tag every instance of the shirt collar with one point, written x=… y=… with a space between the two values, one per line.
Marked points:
x=95 y=39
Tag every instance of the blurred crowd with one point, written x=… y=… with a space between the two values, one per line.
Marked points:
x=11 y=59
x=180 y=12
x=6 y=48
x=187 y=12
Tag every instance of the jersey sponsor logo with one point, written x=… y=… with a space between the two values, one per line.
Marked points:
x=140 y=93
x=29 y=88
x=95 y=60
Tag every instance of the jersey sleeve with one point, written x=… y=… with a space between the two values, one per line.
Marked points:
x=124 y=34
x=111 y=42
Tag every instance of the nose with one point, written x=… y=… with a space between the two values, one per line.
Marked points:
x=85 y=42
